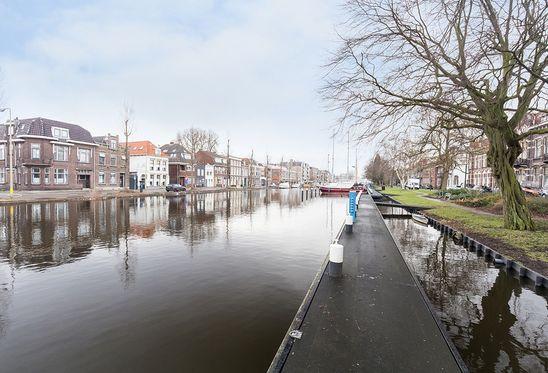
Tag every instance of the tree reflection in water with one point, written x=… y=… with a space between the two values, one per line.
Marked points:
x=496 y=322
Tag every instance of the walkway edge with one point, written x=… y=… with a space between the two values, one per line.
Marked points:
x=287 y=342
x=448 y=341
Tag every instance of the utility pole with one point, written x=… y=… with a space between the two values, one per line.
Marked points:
x=281 y=171
x=348 y=156
x=356 y=165
x=251 y=182
x=228 y=164
x=333 y=158
x=267 y=170
x=9 y=128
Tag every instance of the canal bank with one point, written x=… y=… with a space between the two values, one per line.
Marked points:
x=93 y=194
x=374 y=318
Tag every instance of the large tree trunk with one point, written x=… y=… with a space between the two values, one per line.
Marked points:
x=444 y=178
x=503 y=151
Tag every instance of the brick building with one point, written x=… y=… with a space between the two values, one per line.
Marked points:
x=110 y=163
x=180 y=164
x=49 y=155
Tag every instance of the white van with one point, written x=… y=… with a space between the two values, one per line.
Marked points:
x=413 y=184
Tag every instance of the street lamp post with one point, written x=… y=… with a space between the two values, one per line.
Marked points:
x=9 y=129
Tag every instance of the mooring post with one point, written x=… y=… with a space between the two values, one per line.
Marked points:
x=348 y=224
x=336 y=251
x=352 y=203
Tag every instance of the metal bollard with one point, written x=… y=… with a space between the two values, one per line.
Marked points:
x=336 y=251
x=348 y=224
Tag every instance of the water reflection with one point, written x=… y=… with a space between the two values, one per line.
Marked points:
x=135 y=284
x=497 y=322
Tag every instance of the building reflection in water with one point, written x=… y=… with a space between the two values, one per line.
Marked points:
x=40 y=235
x=497 y=322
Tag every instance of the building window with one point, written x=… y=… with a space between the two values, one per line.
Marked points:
x=84 y=155
x=113 y=144
x=101 y=177
x=60 y=176
x=60 y=133
x=102 y=159
x=538 y=144
x=2 y=175
x=2 y=152
x=35 y=176
x=46 y=175
x=113 y=160
x=35 y=151
x=113 y=178
x=60 y=152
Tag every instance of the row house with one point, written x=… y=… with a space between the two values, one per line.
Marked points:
x=215 y=168
x=255 y=173
x=110 y=161
x=54 y=155
x=236 y=171
x=532 y=165
x=181 y=170
x=148 y=164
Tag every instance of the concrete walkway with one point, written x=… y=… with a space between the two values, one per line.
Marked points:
x=374 y=318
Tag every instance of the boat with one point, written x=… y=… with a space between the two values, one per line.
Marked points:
x=339 y=188
x=295 y=185
x=420 y=218
x=284 y=185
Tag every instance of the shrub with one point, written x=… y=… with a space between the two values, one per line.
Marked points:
x=538 y=205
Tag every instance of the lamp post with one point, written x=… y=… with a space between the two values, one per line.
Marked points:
x=9 y=129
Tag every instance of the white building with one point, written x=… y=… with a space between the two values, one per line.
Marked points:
x=458 y=175
x=209 y=175
x=148 y=164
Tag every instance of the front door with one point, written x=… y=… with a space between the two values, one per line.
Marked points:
x=85 y=181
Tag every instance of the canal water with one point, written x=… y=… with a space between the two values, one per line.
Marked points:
x=202 y=283
x=497 y=322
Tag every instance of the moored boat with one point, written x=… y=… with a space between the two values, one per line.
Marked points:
x=284 y=185
x=337 y=188
x=420 y=218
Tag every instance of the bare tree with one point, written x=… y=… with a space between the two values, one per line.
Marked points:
x=128 y=130
x=403 y=157
x=456 y=57
x=378 y=170
x=444 y=141
x=193 y=140
x=211 y=141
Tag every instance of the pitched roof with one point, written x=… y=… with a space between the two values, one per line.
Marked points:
x=42 y=127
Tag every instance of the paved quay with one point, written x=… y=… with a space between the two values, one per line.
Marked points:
x=373 y=318
x=92 y=194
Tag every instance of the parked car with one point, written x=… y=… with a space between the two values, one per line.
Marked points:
x=175 y=188
x=544 y=191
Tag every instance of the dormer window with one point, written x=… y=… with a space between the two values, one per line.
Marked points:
x=60 y=133
x=113 y=144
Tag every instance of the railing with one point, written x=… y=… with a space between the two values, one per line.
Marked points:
x=521 y=162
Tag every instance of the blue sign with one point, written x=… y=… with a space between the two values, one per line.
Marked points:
x=352 y=203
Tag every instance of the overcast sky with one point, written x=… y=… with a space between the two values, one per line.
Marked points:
x=249 y=70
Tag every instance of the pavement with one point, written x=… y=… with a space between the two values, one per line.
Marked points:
x=373 y=318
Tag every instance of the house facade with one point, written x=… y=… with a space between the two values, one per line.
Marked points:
x=148 y=163
x=179 y=164
x=110 y=163
x=48 y=155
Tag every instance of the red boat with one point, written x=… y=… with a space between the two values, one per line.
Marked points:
x=340 y=188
